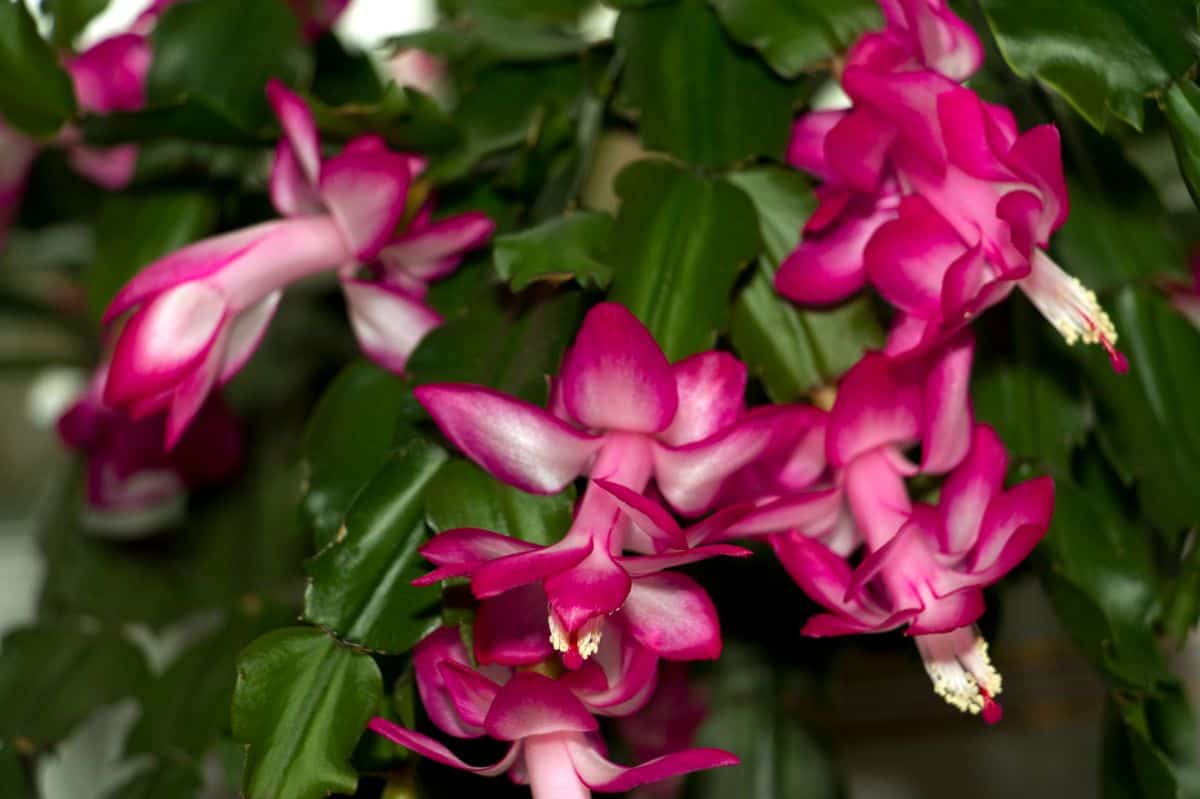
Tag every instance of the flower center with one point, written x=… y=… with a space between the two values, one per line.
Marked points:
x=962 y=673
x=578 y=646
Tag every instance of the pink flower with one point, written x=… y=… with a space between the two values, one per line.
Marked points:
x=932 y=195
x=133 y=486
x=667 y=724
x=421 y=70
x=199 y=313
x=929 y=575
x=555 y=745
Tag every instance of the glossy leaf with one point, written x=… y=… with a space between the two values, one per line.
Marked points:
x=463 y=495
x=301 y=703
x=702 y=98
x=35 y=94
x=1146 y=420
x=1103 y=56
x=792 y=351
x=135 y=229
x=251 y=40
x=570 y=247
x=797 y=35
x=1182 y=103
x=679 y=242
x=53 y=675
x=1037 y=415
x=360 y=584
x=348 y=439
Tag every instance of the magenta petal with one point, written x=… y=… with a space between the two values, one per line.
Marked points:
x=507 y=573
x=828 y=267
x=388 y=322
x=909 y=101
x=825 y=625
x=646 y=514
x=246 y=333
x=432 y=252
x=877 y=497
x=365 y=191
x=443 y=645
x=595 y=586
x=965 y=121
x=293 y=193
x=299 y=128
x=472 y=545
x=812 y=513
x=875 y=406
x=1037 y=156
x=949 y=613
x=532 y=704
x=627 y=673
x=947 y=418
x=427 y=747
x=644 y=565
x=673 y=617
x=511 y=629
x=970 y=488
x=1022 y=512
x=710 y=387
x=806 y=149
x=907 y=258
x=111 y=168
x=517 y=442
x=819 y=572
x=600 y=774
x=857 y=149
x=615 y=377
x=947 y=43
x=111 y=75
x=471 y=692
x=190 y=394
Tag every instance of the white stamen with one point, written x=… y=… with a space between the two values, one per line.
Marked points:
x=958 y=664
x=559 y=639
x=586 y=640
x=1068 y=305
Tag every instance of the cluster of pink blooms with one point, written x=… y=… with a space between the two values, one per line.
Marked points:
x=930 y=195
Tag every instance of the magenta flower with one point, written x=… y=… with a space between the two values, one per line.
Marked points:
x=200 y=312
x=922 y=33
x=928 y=577
x=932 y=195
x=133 y=486
x=668 y=723
x=554 y=741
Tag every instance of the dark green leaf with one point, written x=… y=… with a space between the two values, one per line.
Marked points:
x=407 y=119
x=224 y=52
x=348 y=439
x=795 y=35
x=679 y=242
x=508 y=343
x=360 y=586
x=12 y=775
x=70 y=17
x=1146 y=418
x=344 y=76
x=166 y=779
x=190 y=118
x=301 y=703
x=133 y=230
x=463 y=495
x=1037 y=416
x=1103 y=56
x=701 y=97
x=35 y=92
x=52 y=676
x=565 y=248
x=792 y=351
x=1183 y=116
x=558 y=11
x=1182 y=611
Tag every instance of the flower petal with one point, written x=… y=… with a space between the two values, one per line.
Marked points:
x=877 y=497
x=969 y=490
x=812 y=513
x=246 y=333
x=876 y=405
x=827 y=267
x=427 y=747
x=601 y=774
x=511 y=629
x=593 y=587
x=857 y=149
x=643 y=565
x=806 y=148
x=111 y=74
x=1014 y=523
x=532 y=704
x=299 y=128
x=435 y=251
x=443 y=645
x=388 y=323
x=710 y=387
x=471 y=692
x=647 y=516
x=673 y=617
x=507 y=573
x=947 y=417
x=365 y=192
x=615 y=376
x=907 y=258
x=293 y=193
x=517 y=442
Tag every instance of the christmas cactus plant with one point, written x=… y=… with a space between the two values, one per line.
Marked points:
x=564 y=393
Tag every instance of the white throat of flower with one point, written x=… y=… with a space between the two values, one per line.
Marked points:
x=962 y=673
x=586 y=639
x=1071 y=307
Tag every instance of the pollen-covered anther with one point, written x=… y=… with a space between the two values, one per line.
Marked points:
x=961 y=671
x=579 y=646
x=1071 y=307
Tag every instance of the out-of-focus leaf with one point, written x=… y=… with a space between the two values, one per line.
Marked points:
x=360 y=586
x=748 y=714
x=463 y=495
x=551 y=11
x=1149 y=747
x=485 y=33
x=165 y=779
x=1103 y=56
x=225 y=51
x=1182 y=611
x=1102 y=581
x=790 y=350
x=134 y=229
x=191 y=118
x=510 y=343
x=70 y=17
x=1146 y=418
x=1036 y=415
x=348 y=439
x=343 y=76
x=1183 y=116
x=702 y=98
x=407 y=119
x=679 y=242
x=35 y=92
x=53 y=675
x=301 y=703
x=12 y=775
x=565 y=248
x=795 y=35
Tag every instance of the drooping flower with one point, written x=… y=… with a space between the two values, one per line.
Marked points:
x=928 y=577
x=133 y=486
x=554 y=742
x=199 y=313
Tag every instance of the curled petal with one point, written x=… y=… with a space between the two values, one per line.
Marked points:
x=293 y=193
x=812 y=513
x=644 y=565
x=434 y=251
x=246 y=333
x=710 y=386
x=427 y=747
x=365 y=192
x=532 y=704
x=1014 y=523
x=952 y=612
x=877 y=497
x=299 y=128
x=471 y=692
x=806 y=148
x=517 y=442
x=504 y=574
x=601 y=774
x=615 y=376
x=857 y=149
x=443 y=645
x=828 y=267
x=970 y=488
x=907 y=258
x=388 y=322
x=645 y=514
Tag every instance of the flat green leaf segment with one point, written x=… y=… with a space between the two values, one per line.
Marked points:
x=702 y=97
x=463 y=495
x=792 y=351
x=35 y=93
x=1182 y=104
x=570 y=247
x=798 y=35
x=680 y=240
x=1103 y=56
x=301 y=703
x=360 y=584
x=40 y=689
